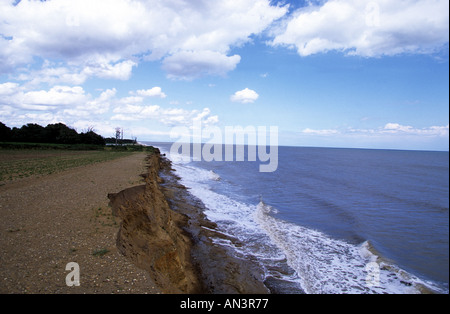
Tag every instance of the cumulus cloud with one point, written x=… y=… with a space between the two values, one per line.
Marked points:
x=121 y=70
x=52 y=73
x=170 y=117
x=8 y=88
x=152 y=92
x=188 y=65
x=245 y=96
x=57 y=96
x=19 y=105
x=367 y=28
x=106 y=37
x=94 y=106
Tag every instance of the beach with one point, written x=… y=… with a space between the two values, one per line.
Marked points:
x=51 y=220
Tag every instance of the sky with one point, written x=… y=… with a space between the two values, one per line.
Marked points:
x=336 y=73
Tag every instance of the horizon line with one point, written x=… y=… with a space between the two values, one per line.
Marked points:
x=302 y=146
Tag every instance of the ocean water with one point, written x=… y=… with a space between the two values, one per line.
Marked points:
x=333 y=220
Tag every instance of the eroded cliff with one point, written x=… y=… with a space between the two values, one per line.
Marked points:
x=164 y=231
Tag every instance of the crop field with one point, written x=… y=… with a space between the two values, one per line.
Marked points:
x=23 y=163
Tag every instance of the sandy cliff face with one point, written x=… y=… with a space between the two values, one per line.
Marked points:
x=151 y=234
x=164 y=231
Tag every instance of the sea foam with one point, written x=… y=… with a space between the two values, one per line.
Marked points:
x=306 y=260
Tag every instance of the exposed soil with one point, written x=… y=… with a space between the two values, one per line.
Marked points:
x=164 y=231
x=52 y=220
x=150 y=236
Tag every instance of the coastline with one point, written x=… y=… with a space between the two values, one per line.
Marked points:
x=164 y=231
x=159 y=240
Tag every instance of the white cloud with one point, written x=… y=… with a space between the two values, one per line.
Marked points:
x=40 y=118
x=46 y=29
x=56 y=96
x=52 y=99
x=170 y=117
x=108 y=38
x=18 y=105
x=389 y=136
x=69 y=104
x=105 y=69
x=245 y=96
x=8 y=88
x=104 y=128
x=6 y=111
x=152 y=92
x=131 y=100
x=105 y=38
x=188 y=65
x=320 y=132
x=96 y=106
x=395 y=128
x=390 y=129
x=367 y=28
x=52 y=73
x=135 y=112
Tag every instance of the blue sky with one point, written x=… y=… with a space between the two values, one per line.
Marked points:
x=353 y=73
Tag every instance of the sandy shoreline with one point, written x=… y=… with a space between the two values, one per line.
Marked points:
x=64 y=217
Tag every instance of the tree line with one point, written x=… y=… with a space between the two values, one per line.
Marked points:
x=57 y=133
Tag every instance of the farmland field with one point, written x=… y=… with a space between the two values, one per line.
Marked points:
x=23 y=163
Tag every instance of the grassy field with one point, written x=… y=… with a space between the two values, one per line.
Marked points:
x=22 y=163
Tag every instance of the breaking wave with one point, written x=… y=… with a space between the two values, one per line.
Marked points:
x=296 y=259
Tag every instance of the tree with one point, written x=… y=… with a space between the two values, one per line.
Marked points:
x=91 y=137
x=61 y=134
x=5 y=133
x=31 y=132
x=57 y=133
x=119 y=135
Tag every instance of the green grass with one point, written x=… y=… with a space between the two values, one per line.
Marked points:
x=48 y=146
x=76 y=147
x=23 y=163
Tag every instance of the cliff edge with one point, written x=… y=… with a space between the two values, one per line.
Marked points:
x=165 y=232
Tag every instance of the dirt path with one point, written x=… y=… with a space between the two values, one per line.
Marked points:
x=48 y=222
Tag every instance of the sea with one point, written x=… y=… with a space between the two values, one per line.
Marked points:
x=332 y=220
